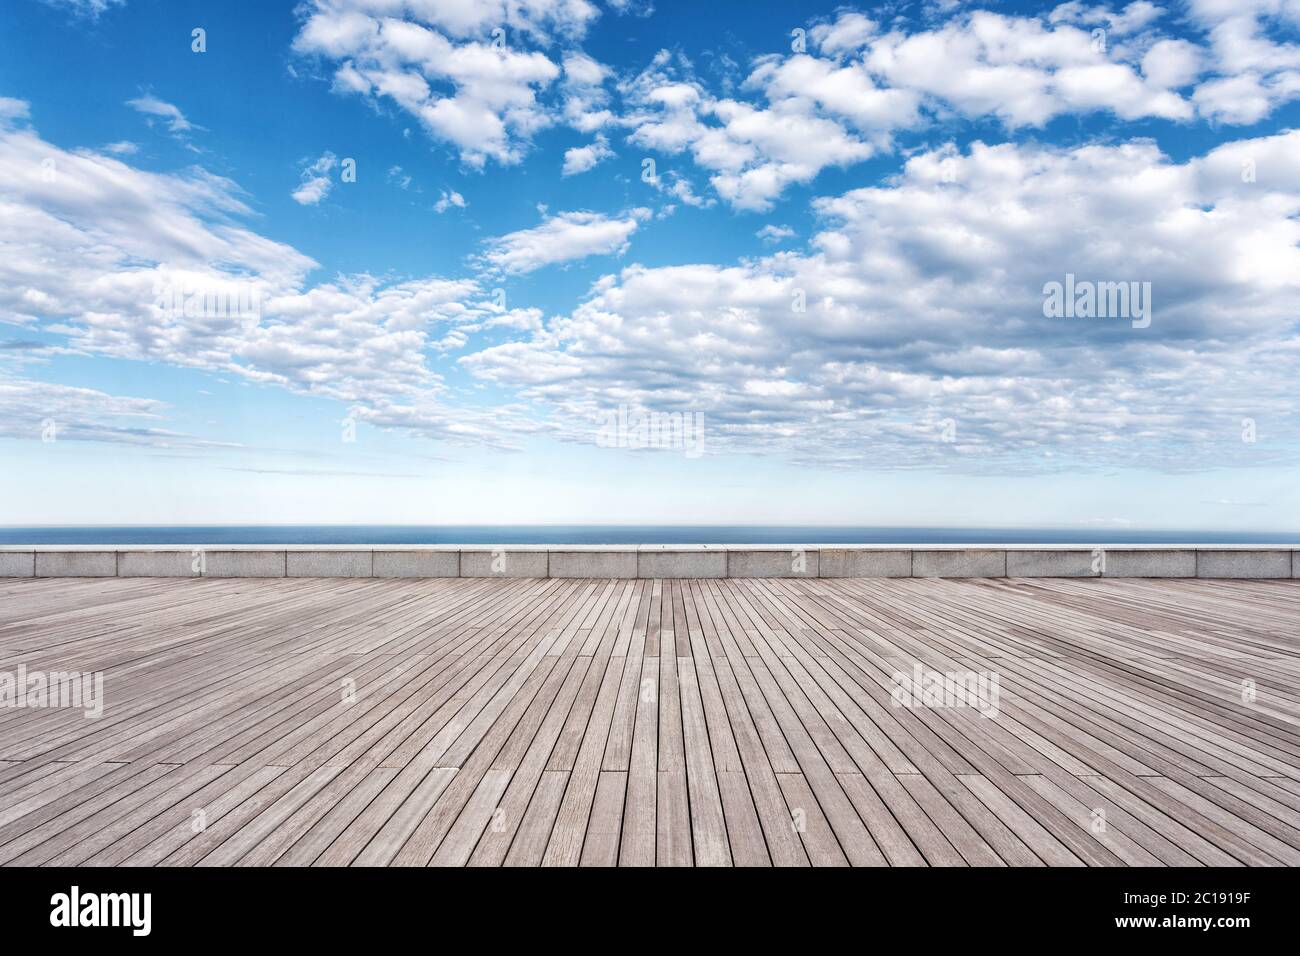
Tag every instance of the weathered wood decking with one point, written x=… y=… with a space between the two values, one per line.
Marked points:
x=653 y=722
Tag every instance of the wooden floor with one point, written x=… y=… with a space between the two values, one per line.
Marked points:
x=747 y=722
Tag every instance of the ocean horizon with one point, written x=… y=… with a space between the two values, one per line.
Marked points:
x=610 y=534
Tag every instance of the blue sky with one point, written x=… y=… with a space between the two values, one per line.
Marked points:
x=820 y=235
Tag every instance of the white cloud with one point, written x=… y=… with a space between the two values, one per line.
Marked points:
x=579 y=159
x=923 y=292
x=924 y=303
x=85 y=8
x=586 y=100
x=448 y=199
x=673 y=183
x=1237 y=30
x=842 y=101
x=50 y=412
x=754 y=153
x=1242 y=99
x=1132 y=18
x=775 y=234
x=410 y=52
x=836 y=104
x=1172 y=64
x=539 y=20
x=1255 y=73
x=156 y=267
x=847 y=92
x=12 y=110
x=565 y=237
x=151 y=105
x=1019 y=70
x=850 y=31
x=316 y=180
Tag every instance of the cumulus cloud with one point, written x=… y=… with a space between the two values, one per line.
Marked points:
x=448 y=199
x=157 y=267
x=586 y=99
x=579 y=159
x=1135 y=16
x=772 y=233
x=1250 y=73
x=848 y=32
x=917 y=300
x=845 y=91
x=316 y=180
x=1172 y=64
x=844 y=100
x=461 y=69
x=921 y=304
x=1255 y=73
x=1019 y=70
x=753 y=152
x=486 y=75
x=565 y=237
x=840 y=98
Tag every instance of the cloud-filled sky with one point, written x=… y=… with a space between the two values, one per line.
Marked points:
x=416 y=261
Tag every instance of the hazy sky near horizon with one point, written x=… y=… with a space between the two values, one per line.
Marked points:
x=433 y=261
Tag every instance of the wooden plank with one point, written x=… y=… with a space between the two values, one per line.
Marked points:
x=640 y=827
x=604 y=826
x=534 y=832
x=716 y=722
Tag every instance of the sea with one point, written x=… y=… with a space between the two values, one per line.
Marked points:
x=612 y=534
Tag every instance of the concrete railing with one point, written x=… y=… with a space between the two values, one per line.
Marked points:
x=653 y=561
